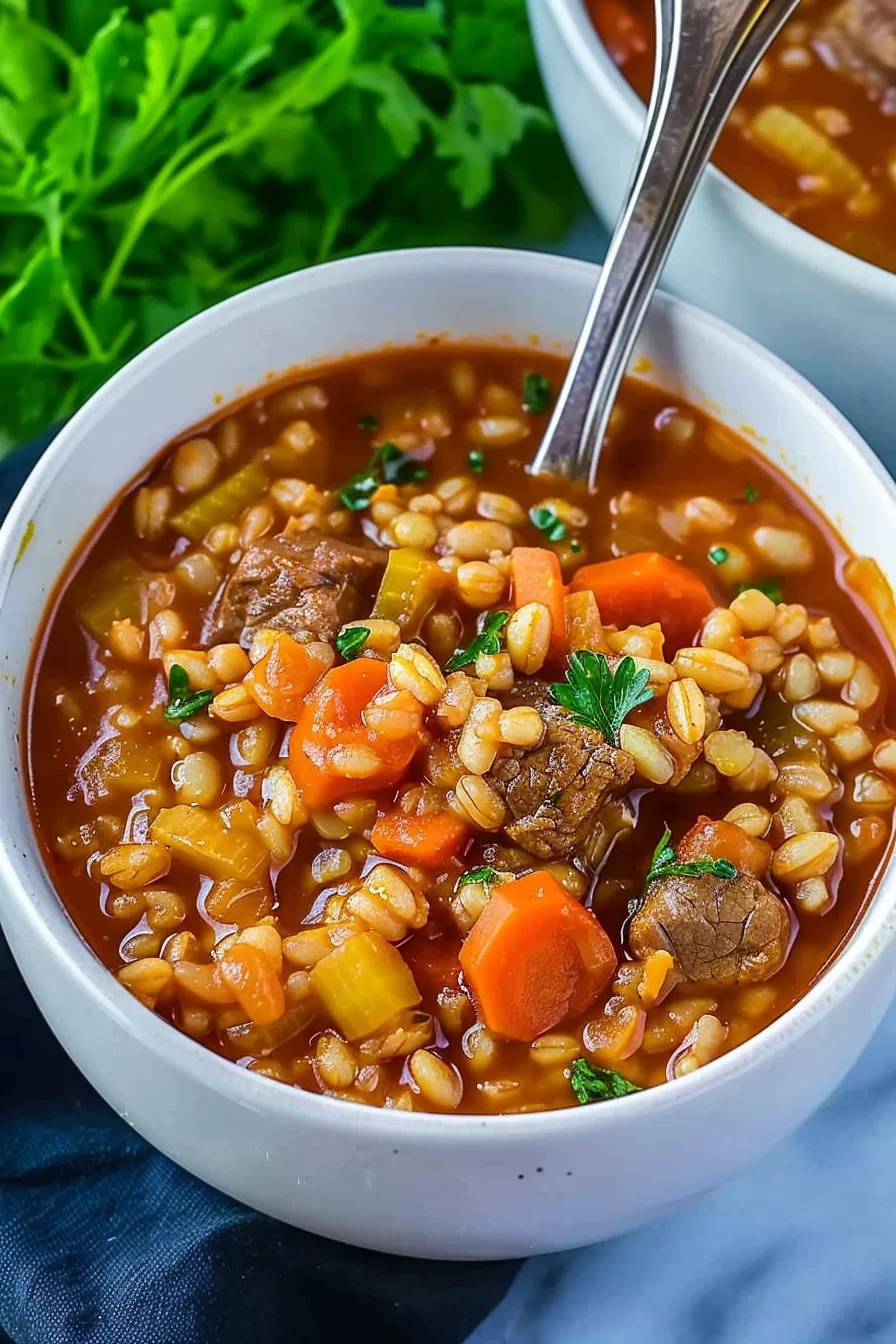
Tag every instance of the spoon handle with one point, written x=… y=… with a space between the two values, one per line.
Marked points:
x=705 y=52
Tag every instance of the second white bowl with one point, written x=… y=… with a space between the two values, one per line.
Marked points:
x=827 y=313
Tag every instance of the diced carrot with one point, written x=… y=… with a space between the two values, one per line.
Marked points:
x=331 y=718
x=623 y=33
x=536 y=577
x=645 y=587
x=248 y=973
x=710 y=839
x=534 y=957
x=430 y=841
x=280 y=680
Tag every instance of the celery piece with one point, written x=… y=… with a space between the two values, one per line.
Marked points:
x=116 y=592
x=118 y=765
x=409 y=589
x=222 y=503
x=202 y=839
x=805 y=149
x=249 y=1039
x=362 y=983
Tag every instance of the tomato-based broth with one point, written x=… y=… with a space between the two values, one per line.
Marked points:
x=391 y=772
x=813 y=134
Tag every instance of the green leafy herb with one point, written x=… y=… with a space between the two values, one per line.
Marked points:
x=771 y=588
x=351 y=640
x=751 y=494
x=537 y=393
x=388 y=465
x=598 y=698
x=485 y=875
x=575 y=545
x=476 y=461
x=368 y=422
x=158 y=157
x=591 y=1084
x=546 y=520
x=182 y=702
x=719 y=554
x=487 y=641
x=665 y=864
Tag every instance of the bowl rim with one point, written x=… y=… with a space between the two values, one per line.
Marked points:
x=584 y=46
x=22 y=874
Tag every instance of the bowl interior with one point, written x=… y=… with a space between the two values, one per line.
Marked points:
x=395 y=299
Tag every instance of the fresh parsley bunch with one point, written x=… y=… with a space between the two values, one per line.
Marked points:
x=158 y=157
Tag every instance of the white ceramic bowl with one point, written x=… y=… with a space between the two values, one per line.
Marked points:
x=426 y=1185
x=827 y=313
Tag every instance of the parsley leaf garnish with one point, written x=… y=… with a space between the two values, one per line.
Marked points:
x=487 y=641
x=537 y=393
x=351 y=640
x=182 y=702
x=591 y=1084
x=388 y=466
x=485 y=875
x=598 y=698
x=156 y=158
x=718 y=554
x=771 y=588
x=546 y=520
x=665 y=864
x=368 y=422
x=575 y=545
x=476 y=461
x=751 y=494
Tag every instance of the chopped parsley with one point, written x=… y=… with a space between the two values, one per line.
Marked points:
x=751 y=494
x=591 y=1084
x=182 y=702
x=598 y=698
x=351 y=640
x=665 y=864
x=546 y=520
x=485 y=875
x=771 y=588
x=476 y=461
x=368 y=422
x=719 y=554
x=487 y=641
x=537 y=393
x=388 y=466
x=575 y=545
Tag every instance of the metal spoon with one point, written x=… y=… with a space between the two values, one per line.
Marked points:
x=705 y=52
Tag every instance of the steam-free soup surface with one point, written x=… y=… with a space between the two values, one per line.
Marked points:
x=391 y=772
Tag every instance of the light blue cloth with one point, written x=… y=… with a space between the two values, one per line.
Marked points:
x=797 y=1249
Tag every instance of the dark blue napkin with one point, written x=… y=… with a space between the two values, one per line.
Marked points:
x=104 y=1241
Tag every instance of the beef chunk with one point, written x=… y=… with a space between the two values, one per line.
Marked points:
x=859 y=40
x=554 y=792
x=720 y=931
x=307 y=582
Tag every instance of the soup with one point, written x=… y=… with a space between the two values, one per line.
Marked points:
x=813 y=134
x=391 y=772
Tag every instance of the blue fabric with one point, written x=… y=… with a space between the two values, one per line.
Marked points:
x=104 y=1241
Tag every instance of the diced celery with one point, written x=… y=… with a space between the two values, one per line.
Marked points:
x=118 y=765
x=116 y=592
x=202 y=839
x=249 y=1039
x=222 y=503
x=362 y=983
x=806 y=149
x=409 y=589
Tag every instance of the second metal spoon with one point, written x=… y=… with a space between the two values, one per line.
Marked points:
x=705 y=52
